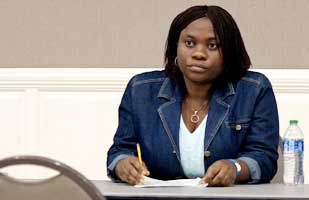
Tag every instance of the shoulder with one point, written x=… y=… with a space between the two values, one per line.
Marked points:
x=255 y=79
x=147 y=78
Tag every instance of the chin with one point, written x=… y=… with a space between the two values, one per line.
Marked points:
x=200 y=81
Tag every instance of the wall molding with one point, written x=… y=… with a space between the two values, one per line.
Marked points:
x=115 y=79
x=54 y=105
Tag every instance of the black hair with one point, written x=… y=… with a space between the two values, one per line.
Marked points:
x=235 y=57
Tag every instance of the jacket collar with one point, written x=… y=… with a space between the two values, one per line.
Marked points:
x=169 y=112
x=218 y=110
x=171 y=91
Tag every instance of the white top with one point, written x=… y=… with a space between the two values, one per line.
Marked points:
x=191 y=147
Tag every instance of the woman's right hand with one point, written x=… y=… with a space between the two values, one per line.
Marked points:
x=131 y=171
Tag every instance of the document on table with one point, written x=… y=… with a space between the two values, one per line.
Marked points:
x=151 y=182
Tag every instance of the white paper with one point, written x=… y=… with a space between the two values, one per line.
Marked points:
x=151 y=182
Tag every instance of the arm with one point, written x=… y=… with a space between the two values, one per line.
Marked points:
x=258 y=152
x=261 y=143
x=121 y=159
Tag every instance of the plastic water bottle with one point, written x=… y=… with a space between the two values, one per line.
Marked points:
x=293 y=154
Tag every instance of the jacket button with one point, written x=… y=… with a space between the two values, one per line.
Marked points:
x=207 y=153
x=238 y=127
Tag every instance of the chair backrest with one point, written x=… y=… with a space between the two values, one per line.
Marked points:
x=278 y=178
x=68 y=184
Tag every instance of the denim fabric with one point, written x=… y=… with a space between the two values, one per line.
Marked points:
x=242 y=123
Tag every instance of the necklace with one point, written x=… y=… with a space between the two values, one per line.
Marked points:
x=195 y=118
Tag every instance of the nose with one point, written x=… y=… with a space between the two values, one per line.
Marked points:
x=199 y=53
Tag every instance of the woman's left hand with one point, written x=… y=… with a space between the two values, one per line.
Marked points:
x=220 y=173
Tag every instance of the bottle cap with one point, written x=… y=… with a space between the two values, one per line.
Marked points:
x=293 y=121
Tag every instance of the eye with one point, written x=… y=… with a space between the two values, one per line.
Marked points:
x=212 y=45
x=189 y=43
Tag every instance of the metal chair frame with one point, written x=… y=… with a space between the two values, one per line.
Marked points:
x=87 y=186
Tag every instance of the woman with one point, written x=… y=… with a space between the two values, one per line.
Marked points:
x=204 y=116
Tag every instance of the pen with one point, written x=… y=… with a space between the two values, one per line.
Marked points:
x=139 y=154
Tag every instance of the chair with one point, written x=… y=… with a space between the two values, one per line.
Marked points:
x=278 y=178
x=67 y=184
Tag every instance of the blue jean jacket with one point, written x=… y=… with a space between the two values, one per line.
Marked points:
x=242 y=123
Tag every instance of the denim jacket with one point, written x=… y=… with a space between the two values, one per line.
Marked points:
x=242 y=123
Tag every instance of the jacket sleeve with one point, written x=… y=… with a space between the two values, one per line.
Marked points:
x=124 y=142
x=261 y=143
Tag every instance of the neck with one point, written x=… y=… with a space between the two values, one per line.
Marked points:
x=198 y=93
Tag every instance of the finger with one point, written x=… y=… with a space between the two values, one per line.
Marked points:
x=125 y=177
x=219 y=178
x=134 y=180
x=126 y=171
x=210 y=174
x=124 y=174
x=146 y=171
x=134 y=174
x=131 y=180
x=128 y=176
x=139 y=169
x=230 y=173
x=226 y=176
x=134 y=161
x=142 y=169
x=228 y=180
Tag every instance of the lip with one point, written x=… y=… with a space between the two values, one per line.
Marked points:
x=198 y=67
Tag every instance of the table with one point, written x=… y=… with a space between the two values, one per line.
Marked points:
x=257 y=191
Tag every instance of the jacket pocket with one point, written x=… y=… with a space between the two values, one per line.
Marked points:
x=238 y=125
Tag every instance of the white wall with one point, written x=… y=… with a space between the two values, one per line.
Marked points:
x=71 y=114
x=119 y=33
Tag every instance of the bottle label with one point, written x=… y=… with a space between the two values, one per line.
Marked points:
x=293 y=145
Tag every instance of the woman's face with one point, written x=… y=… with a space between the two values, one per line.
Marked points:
x=198 y=53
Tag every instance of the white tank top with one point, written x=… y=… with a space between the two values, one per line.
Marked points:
x=191 y=147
